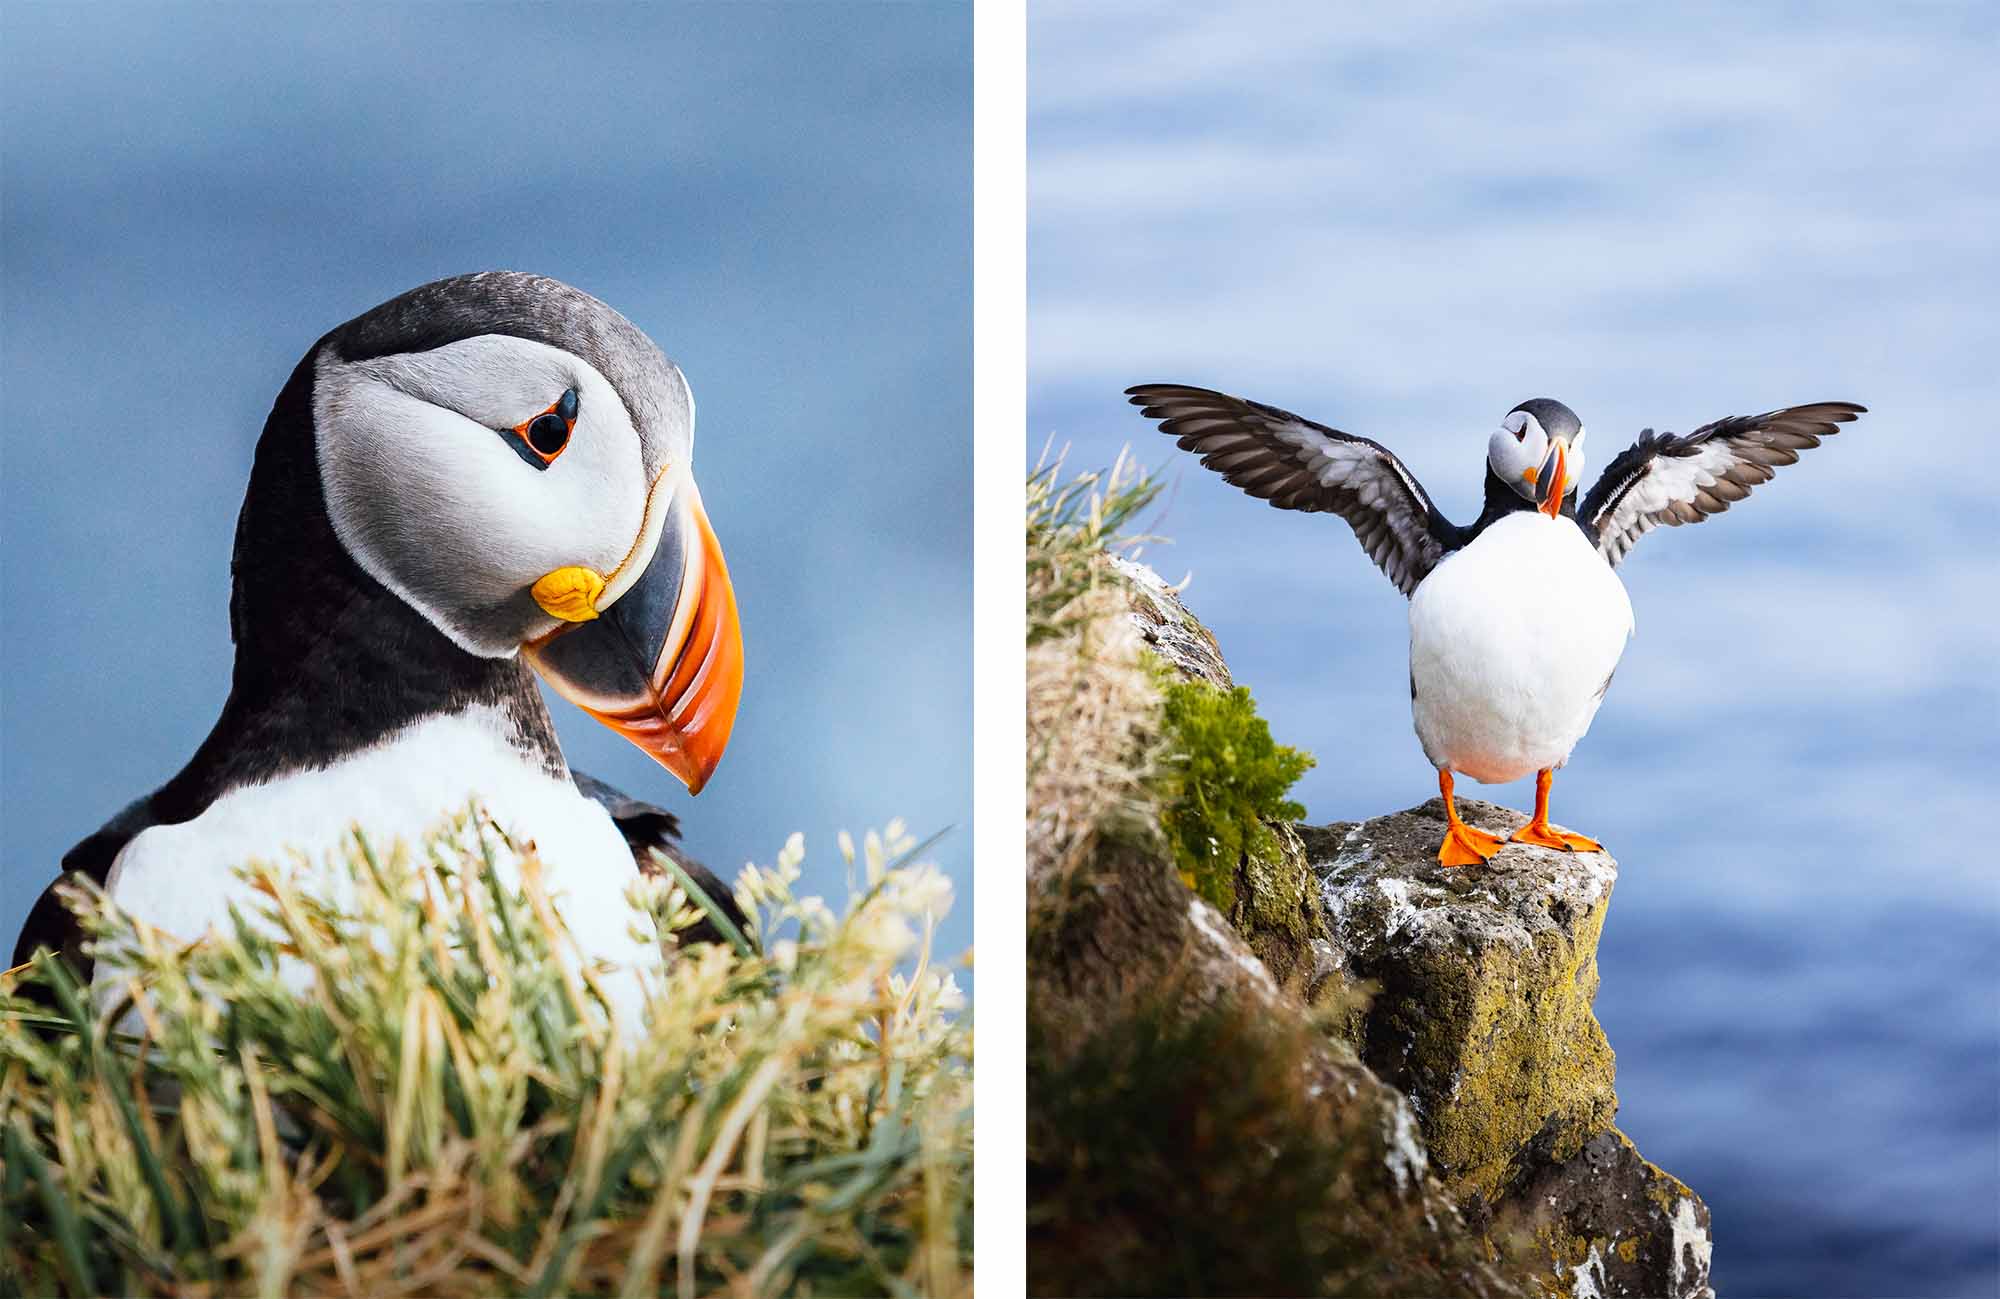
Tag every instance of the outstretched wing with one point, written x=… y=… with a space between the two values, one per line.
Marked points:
x=1296 y=464
x=1673 y=480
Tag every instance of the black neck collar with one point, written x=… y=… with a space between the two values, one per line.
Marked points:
x=328 y=660
x=1502 y=500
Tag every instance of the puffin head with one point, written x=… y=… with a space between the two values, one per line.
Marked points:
x=1538 y=451
x=513 y=459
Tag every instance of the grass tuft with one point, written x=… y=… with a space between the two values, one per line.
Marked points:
x=1071 y=523
x=1092 y=700
x=1224 y=778
x=407 y=1084
x=1118 y=748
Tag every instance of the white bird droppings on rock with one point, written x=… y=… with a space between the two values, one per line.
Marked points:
x=1599 y=870
x=1204 y=918
x=1589 y=1276
x=1403 y=913
x=1354 y=851
x=1406 y=1158
x=1689 y=1238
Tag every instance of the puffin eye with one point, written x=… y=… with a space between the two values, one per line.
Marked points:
x=540 y=440
x=548 y=434
x=1521 y=433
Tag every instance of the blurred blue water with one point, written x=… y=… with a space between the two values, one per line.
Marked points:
x=780 y=195
x=1403 y=224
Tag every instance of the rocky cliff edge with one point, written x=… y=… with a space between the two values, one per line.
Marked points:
x=1452 y=1053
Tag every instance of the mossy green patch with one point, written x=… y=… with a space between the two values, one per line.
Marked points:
x=1274 y=887
x=1225 y=777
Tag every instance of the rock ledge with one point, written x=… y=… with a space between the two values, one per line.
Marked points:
x=1482 y=980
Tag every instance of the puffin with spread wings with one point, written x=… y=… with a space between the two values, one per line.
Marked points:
x=1517 y=622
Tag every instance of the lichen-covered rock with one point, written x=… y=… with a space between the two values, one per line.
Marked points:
x=1606 y=1222
x=1486 y=975
x=1482 y=1018
x=1279 y=914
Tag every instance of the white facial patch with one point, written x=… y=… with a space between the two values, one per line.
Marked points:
x=426 y=493
x=1517 y=446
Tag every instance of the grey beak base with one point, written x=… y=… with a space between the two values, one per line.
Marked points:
x=610 y=663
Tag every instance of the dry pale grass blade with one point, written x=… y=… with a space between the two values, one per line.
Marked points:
x=395 y=1076
x=1093 y=702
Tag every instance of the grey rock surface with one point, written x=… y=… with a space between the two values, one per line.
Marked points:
x=1485 y=979
x=1607 y=1222
x=1172 y=632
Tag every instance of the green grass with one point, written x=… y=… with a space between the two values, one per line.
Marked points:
x=418 y=1089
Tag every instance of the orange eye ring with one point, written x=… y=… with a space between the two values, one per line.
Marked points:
x=540 y=440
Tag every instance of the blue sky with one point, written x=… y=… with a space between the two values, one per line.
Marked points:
x=780 y=195
x=1404 y=222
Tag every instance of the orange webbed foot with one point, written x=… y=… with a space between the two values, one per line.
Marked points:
x=1544 y=835
x=1465 y=846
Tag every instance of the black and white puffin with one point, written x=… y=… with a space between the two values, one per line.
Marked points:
x=1517 y=622
x=486 y=475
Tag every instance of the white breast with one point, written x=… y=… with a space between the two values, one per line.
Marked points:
x=1512 y=642
x=178 y=877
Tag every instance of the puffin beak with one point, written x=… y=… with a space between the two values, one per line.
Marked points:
x=1554 y=481
x=662 y=665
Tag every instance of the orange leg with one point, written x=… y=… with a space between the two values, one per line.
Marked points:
x=1539 y=831
x=1463 y=845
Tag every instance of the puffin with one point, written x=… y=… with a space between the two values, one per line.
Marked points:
x=485 y=481
x=1518 y=621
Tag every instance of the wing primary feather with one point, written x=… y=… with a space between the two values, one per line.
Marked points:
x=1297 y=464
x=1669 y=480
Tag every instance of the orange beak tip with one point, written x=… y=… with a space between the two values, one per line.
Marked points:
x=675 y=692
x=705 y=682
